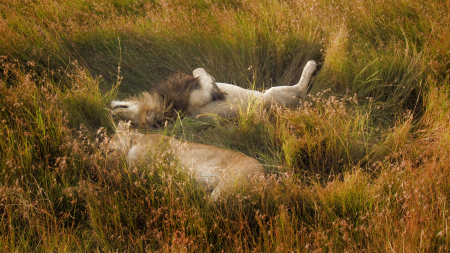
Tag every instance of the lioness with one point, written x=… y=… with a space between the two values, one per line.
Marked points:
x=219 y=169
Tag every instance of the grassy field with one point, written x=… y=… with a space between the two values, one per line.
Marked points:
x=363 y=165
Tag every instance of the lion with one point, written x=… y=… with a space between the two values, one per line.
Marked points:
x=198 y=95
x=220 y=170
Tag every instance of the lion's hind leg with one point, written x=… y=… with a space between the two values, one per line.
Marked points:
x=302 y=85
x=291 y=95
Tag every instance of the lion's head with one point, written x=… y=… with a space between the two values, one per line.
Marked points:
x=165 y=102
x=145 y=111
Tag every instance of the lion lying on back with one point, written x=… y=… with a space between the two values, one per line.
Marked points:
x=220 y=170
x=200 y=95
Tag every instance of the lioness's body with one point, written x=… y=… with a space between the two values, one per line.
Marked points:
x=203 y=96
x=220 y=169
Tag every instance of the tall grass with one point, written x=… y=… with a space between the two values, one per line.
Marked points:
x=361 y=166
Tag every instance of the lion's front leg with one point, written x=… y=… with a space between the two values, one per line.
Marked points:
x=208 y=90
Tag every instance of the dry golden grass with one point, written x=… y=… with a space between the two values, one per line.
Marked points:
x=363 y=165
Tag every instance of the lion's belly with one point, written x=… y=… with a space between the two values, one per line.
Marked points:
x=237 y=91
x=237 y=98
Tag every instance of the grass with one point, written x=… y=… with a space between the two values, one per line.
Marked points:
x=361 y=166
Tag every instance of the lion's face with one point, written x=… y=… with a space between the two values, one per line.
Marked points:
x=144 y=112
x=126 y=111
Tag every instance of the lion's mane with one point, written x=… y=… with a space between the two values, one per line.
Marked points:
x=169 y=99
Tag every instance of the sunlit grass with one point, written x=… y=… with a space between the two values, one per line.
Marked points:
x=361 y=166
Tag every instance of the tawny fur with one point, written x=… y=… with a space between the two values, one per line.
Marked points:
x=165 y=102
x=221 y=170
x=201 y=95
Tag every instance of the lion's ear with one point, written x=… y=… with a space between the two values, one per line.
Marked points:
x=123 y=126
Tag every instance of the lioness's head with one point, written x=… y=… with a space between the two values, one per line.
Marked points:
x=144 y=112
